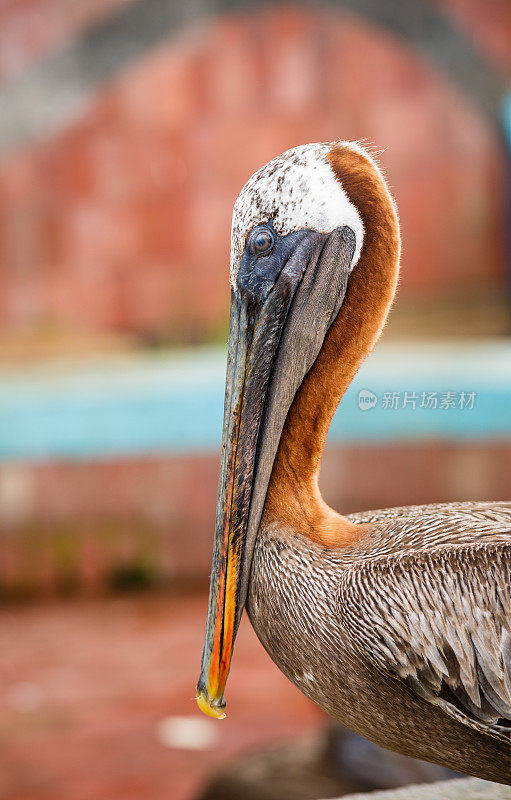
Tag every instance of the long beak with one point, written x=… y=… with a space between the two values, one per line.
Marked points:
x=266 y=343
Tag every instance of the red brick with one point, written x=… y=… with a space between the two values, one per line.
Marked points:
x=87 y=683
x=80 y=522
x=148 y=177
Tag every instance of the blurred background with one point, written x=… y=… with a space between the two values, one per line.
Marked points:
x=127 y=129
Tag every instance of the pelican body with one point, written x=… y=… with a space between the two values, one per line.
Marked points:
x=395 y=622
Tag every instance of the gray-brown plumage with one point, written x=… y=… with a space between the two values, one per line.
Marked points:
x=396 y=622
x=404 y=637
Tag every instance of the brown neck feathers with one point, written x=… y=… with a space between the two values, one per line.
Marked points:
x=293 y=497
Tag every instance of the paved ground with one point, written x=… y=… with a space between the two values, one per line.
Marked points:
x=96 y=701
x=469 y=789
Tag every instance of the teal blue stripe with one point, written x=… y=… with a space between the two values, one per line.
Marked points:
x=506 y=118
x=173 y=403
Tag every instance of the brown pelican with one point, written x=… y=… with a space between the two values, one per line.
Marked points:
x=396 y=622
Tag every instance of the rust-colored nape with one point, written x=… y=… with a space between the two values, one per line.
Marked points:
x=293 y=498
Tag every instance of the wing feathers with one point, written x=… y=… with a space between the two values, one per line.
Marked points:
x=441 y=622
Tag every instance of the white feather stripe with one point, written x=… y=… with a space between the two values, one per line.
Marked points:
x=296 y=190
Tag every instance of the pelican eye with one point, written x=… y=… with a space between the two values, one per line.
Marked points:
x=261 y=241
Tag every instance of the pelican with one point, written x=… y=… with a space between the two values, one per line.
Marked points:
x=396 y=622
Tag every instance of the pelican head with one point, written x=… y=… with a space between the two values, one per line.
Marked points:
x=296 y=239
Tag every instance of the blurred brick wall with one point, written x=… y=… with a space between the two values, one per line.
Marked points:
x=487 y=23
x=33 y=29
x=149 y=522
x=120 y=224
x=121 y=221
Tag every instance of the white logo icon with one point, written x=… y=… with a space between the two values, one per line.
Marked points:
x=366 y=399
